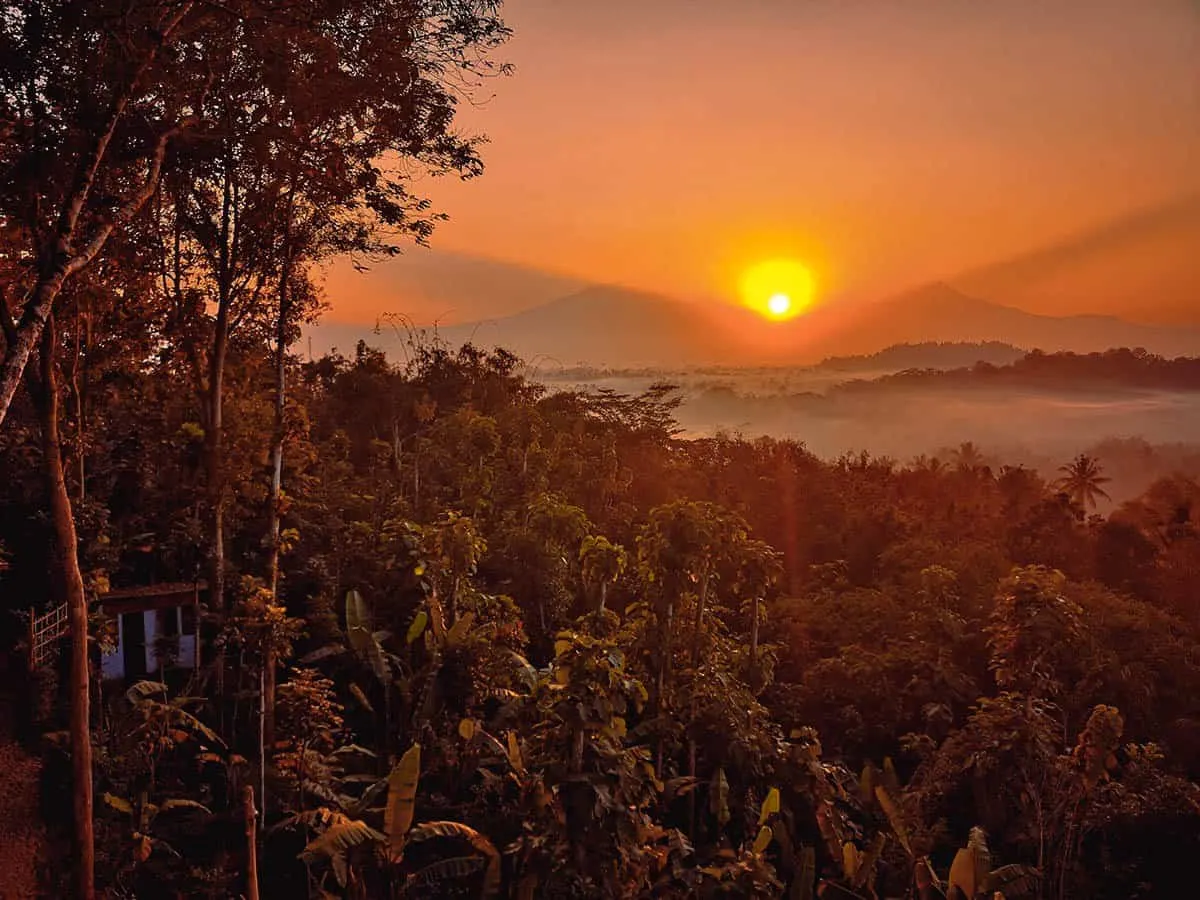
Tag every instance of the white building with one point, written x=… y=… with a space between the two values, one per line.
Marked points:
x=156 y=628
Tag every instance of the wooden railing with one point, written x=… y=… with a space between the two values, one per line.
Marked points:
x=44 y=633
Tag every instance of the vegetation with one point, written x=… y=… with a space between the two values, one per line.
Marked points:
x=462 y=636
x=633 y=665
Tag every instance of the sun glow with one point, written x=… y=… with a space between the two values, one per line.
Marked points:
x=778 y=289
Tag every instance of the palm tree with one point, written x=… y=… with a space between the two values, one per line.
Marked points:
x=1082 y=480
x=968 y=457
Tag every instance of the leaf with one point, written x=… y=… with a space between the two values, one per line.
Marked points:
x=145 y=689
x=514 y=754
x=184 y=803
x=402 y=797
x=358 y=695
x=459 y=631
x=890 y=779
x=680 y=786
x=868 y=860
x=427 y=830
x=763 y=840
x=1014 y=880
x=895 y=819
x=354 y=750
x=963 y=874
x=141 y=847
x=562 y=646
x=867 y=782
x=417 y=628
x=323 y=653
x=317 y=819
x=928 y=884
x=850 y=861
x=770 y=806
x=120 y=804
x=358 y=626
x=433 y=876
x=376 y=660
x=718 y=799
x=525 y=670
x=336 y=840
x=466 y=729
x=806 y=874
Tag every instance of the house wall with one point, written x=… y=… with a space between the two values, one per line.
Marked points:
x=112 y=665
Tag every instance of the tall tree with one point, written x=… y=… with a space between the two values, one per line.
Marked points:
x=70 y=587
x=1083 y=480
x=91 y=96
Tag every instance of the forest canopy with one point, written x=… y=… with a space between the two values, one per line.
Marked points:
x=450 y=633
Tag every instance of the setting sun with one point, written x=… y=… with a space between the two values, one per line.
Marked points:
x=778 y=288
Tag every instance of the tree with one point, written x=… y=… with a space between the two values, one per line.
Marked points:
x=70 y=588
x=1083 y=481
x=87 y=120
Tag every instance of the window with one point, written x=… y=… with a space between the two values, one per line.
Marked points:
x=168 y=622
x=188 y=614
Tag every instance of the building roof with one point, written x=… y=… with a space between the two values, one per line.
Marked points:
x=152 y=596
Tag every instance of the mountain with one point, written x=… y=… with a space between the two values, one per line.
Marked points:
x=622 y=328
x=938 y=312
x=927 y=355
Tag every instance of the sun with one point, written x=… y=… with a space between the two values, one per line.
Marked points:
x=778 y=289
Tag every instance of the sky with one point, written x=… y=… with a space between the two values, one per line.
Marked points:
x=1046 y=152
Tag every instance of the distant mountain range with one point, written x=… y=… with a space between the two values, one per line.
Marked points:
x=621 y=328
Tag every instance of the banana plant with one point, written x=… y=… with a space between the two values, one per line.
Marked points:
x=338 y=833
x=142 y=815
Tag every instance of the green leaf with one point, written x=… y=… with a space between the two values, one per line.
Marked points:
x=120 y=804
x=514 y=754
x=402 y=798
x=143 y=690
x=334 y=843
x=459 y=631
x=184 y=803
x=763 y=840
x=718 y=799
x=895 y=819
x=466 y=729
x=481 y=844
x=430 y=880
x=1014 y=880
x=358 y=624
x=963 y=874
x=358 y=695
x=770 y=806
x=417 y=628
x=806 y=875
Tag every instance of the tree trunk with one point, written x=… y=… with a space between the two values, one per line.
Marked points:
x=276 y=492
x=754 y=633
x=29 y=331
x=70 y=581
x=268 y=704
x=701 y=600
x=251 y=816
x=262 y=734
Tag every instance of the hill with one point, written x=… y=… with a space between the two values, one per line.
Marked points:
x=621 y=328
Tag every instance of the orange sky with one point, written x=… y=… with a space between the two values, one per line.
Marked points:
x=668 y=144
